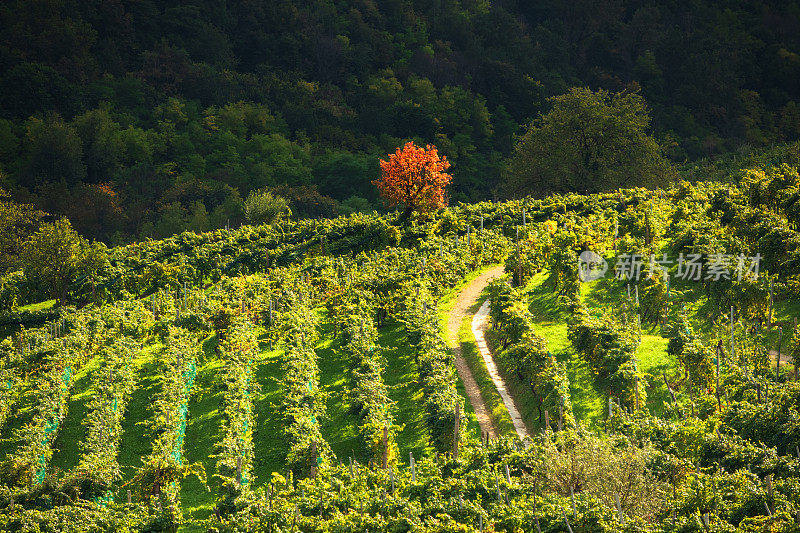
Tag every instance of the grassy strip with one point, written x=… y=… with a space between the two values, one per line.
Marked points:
x=340 y=426
x=550 y=322
x=66 y=451
x=136 y=440
x=401 y=377
x=203 y=432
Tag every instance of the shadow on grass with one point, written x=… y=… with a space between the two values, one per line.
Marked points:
x=401 y=378
x=136 y=441
x=66 y=447
x=203 y=432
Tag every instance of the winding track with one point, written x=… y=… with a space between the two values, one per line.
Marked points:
x=466 y=299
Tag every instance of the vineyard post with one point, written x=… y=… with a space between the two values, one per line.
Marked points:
x=524 y=220
x=719 y=355
x=769 y=315
x=771 y=505
x=508 y=474
x=313 y=472
x=481 y=222
x=519 y=262
x=572 y=499
x=732 y=345
x=669 y=389
x=619 y=509
x=239 y=470
x=564 y=514
x=456 y=431
x=385 y=446
x=616 y=235
x=611 y=407
x=535 y=515
x=546 y=420
x=636 y=391
x=637 y=294
x=351 y=466
x=561 y=413
x=778 y=362
x=129 y=496
x=413 y=467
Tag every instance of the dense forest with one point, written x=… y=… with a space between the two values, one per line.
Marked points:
x=143 y=118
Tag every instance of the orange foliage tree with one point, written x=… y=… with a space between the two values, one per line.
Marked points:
x=415 y=178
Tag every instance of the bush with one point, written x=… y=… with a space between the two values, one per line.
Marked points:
x=261 y=207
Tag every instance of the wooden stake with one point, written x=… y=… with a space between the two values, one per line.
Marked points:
x=456 y=431
x=313 y=470
x=385 y=446
x=572 y=498
x=769 y=315
x=671 y=394
x=778 y=362
x=619 y=509
x=733 y=348
x=569 y=528
x=771 y=507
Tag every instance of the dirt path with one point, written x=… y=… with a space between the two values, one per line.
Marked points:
x=466 y=299
x=480 y=322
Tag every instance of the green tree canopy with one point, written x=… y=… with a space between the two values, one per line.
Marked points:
x=17 y=222
x=588 y=142
x=56 y=255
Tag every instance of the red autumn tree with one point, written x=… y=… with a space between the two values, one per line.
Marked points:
x=415 y=178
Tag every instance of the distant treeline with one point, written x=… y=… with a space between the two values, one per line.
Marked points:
x=144 y=118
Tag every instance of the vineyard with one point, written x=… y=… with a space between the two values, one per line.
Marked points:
x=297 y=376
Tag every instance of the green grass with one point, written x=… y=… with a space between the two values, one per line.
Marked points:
x=268 y=442
x=401 y=378
x=340 y=426
x=66 y=447
x=203 y=432
x=136 y=441
x=550 y=322
x=38 y=306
